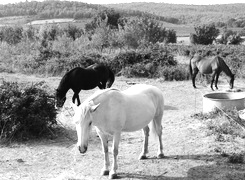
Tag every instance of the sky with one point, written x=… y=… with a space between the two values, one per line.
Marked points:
x=206 y=2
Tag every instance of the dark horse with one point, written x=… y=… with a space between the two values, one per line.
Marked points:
x=213 y=66
x=83 y=78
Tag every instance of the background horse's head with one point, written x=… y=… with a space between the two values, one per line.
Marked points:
x=83 y=121
x=60 y=98
x=231 y=83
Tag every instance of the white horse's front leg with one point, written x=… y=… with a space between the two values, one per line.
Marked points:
x=116 y=140
x=104 y=143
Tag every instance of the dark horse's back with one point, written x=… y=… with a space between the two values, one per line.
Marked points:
x=81 y=78
x=106 y=77
x=89 y=78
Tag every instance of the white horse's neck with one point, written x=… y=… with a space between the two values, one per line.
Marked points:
x=98 y=93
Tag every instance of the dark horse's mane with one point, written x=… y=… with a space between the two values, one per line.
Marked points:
x=65 y=77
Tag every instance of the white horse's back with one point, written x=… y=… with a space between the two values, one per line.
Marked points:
x=128 y=110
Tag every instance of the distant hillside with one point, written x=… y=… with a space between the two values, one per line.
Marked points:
x=232 y=14
x=189 y=14
x=50 y=9
x=181 y=18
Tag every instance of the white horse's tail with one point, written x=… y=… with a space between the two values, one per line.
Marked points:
x=155 y=129
x=156 y=124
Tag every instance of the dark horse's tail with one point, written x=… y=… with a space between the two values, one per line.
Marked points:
x=111 y=78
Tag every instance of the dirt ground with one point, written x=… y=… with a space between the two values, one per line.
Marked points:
x=190 y=152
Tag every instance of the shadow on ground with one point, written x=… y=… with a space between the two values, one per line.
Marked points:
x=166 y=107
x=219 y=170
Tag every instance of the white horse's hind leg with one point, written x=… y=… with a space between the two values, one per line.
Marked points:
x=104 y=142
x=158 y=128
x=116 y=140
x=145 y=143
x=160 y=149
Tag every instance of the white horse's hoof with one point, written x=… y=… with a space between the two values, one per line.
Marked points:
x=113 y=176
x=160 y=156
x=142 y=157
x=104 y=172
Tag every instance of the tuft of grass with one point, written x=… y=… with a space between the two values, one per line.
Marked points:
x=236 y=158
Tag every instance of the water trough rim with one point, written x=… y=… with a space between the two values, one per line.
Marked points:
x=241 y=95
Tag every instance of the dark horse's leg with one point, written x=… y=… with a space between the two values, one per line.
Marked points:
x=76 y=96
x=195 y=71
x=216 y=80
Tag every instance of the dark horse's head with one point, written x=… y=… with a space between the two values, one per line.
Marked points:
x=231 y=83
x=60 y=98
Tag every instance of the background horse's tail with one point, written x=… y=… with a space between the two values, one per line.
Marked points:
x=190 y=68
x=111 y=78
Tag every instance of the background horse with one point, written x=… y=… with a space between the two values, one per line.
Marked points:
x=213 y=66
x=83 y=78
x=112 y=111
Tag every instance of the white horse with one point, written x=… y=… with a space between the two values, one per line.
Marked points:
x=112 y=111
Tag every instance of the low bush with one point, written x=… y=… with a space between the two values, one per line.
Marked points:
x=177 y=73
x=27 y=112
x=144 y=63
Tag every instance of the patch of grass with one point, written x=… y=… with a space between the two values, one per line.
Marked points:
x=224 y=125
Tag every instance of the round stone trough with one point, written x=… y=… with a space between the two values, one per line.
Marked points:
x=223 y=100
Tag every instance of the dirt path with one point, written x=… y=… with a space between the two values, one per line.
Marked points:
x=190 y=153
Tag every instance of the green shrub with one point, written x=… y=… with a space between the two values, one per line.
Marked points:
x=29 y=33
x=178 y=73
x=205 y=34
x=11 y=35
x=145 y=31
x=72 y=31
x=25 y=112
x=230 y=37
x=143 y=63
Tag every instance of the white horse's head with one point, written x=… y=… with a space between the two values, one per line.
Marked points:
x=83 y=121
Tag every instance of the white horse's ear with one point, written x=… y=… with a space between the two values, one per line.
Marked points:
x=94 y=107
